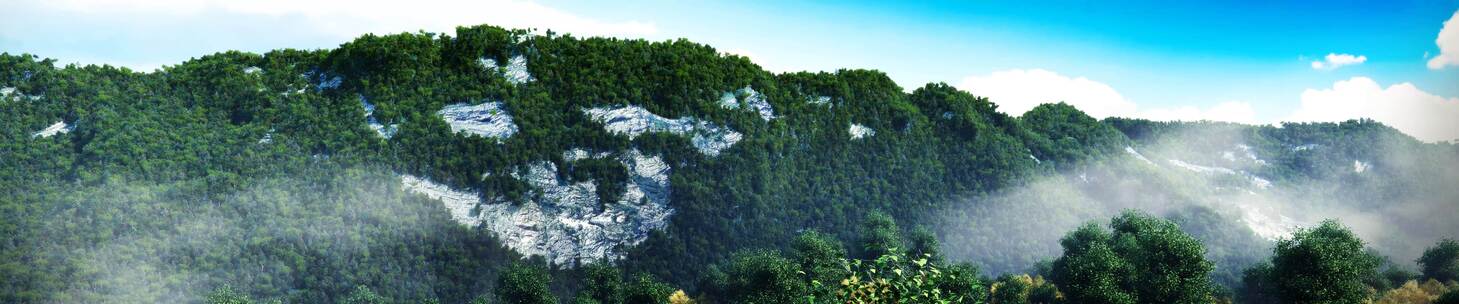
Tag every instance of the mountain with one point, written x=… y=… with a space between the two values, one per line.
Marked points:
x=423 y=165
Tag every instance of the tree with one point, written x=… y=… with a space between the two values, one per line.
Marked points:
x=645 y=289
x=363 y=295
x=820 y=256
x=524 y=284
x=1441 y=262
x=762 y=277
x=1090 y=271
x=1257 y=285
x=880 y=235
x=924 y=244
x=602 y=283
x=226 y=295
x=1144 y=260
x=1324 y=264
x=1451 y=297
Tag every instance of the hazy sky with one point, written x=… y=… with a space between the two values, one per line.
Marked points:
x=1257 y=62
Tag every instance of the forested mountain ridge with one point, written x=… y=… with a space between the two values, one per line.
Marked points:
x=302 y=175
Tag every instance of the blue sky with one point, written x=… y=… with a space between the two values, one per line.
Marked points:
x=1236 y=61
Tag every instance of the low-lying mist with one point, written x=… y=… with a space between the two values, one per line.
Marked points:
x=166 y=243
x=1237 y=194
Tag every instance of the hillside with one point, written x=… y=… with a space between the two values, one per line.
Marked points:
x=432 y=166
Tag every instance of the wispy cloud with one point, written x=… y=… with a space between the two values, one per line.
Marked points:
x=1334 y=61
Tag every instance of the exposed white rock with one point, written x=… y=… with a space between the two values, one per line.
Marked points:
x=1360 y=166
x=267 y=138
x=252 y=70
x=488 y=63
x=728 y=101
x=1306 y=147
x=1266 y=222
x=576 y=154
x=1131 y=150
x=1260 y=183
x=859 y=131
x=753 y=99
x=459 y=203
x=1199 y=168
x=516 y=70
x=758 y=102
x=6 y=91
x=819 y=100
x=565 y=222
x=488 y=119
x=1250 y=154
x=385 y=131
x=56 y=128
x=633 y=121
x=1257 y=181
x=326 y=82
x=1035 y=159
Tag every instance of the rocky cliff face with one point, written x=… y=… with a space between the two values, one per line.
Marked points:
x=565 y=221
x=488 y=119
x=633 y=121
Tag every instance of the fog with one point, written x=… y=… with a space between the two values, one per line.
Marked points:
x=148 y=243
x=1237 y=197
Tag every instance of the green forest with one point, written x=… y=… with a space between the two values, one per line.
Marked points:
x=259 y=178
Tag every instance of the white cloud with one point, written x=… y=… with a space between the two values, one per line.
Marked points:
x=1403 y=106
x=1448 y=42
x=1231 y=111
x=1334 y=61
x=349 y=18
x=1017 y=91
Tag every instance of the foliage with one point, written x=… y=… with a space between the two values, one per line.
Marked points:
x=524 y=284
x=1023 y=289
x=1412 y=292
x=1143 y=260
x=895 y=278
x=1323 y=264
x=1441 y=262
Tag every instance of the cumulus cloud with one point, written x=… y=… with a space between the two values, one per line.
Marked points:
x=1017 y=91
x=1403 y=106
x=1448 y=42
x=1334 y=61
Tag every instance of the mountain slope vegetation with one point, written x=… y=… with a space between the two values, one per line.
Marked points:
x=278 y=176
